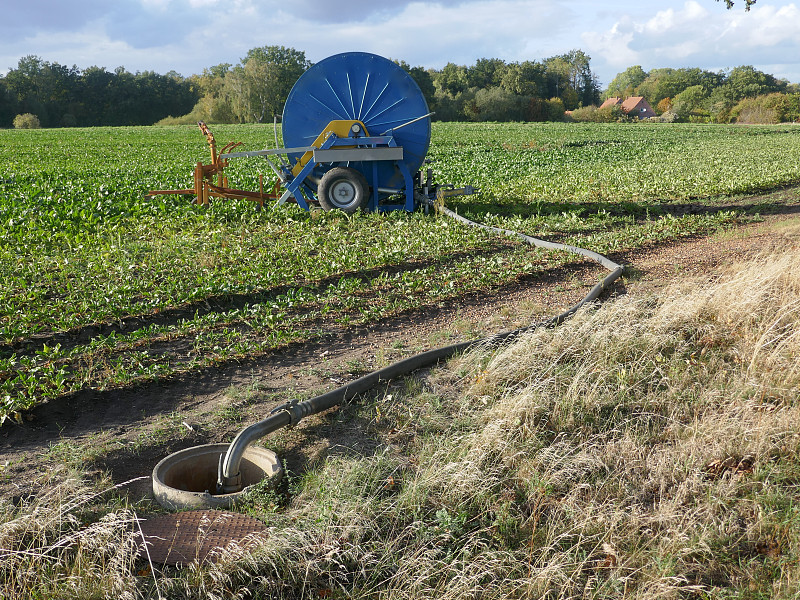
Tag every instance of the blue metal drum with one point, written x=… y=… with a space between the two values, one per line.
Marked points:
x=371 y=89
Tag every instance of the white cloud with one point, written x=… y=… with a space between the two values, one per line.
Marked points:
x=83 y=47
x=692 y=35
x=189 y=35
x=612 y=46
x=771 y=27
x=427 y=33
x=669 y=21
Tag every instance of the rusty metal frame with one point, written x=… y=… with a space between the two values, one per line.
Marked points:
x=205 y=186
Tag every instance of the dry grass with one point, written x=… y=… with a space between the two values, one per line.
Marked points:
x=648 y=449
x=56 y=545
x=663 y=434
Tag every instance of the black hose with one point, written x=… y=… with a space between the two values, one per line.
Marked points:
x=228 y=480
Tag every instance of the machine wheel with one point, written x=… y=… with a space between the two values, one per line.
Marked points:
x=344 y=189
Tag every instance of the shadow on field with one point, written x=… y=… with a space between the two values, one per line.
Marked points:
x=781 y=200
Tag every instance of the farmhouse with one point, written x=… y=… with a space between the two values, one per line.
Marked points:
x=635 y=106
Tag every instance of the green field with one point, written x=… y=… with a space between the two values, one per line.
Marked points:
x=101 y=286
x=649 y=449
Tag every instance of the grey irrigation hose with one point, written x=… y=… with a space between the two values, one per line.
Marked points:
x=291 y=413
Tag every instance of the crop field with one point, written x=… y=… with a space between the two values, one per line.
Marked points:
x=648 y=449
x=102 y=287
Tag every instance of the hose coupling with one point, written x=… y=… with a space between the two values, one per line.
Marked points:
x=295 y=409
x=227 y=485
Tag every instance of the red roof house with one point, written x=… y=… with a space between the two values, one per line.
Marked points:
x=635 y=106
x=611 y=102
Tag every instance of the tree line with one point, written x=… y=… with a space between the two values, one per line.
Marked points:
x=62 y=96
x=494 y=90
x=693 y=94
x=255 y=89
x=490 y=90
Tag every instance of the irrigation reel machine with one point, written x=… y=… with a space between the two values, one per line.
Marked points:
x=356 y=130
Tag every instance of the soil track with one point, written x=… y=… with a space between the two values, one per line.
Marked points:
x=126 y=432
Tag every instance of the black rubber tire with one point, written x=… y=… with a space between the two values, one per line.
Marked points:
x=343 y=189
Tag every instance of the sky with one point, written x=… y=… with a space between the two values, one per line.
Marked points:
x=189 y=35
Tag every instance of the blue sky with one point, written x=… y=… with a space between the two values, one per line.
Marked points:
x=189 y=35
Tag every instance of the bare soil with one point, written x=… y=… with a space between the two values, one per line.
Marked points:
x=123 y=433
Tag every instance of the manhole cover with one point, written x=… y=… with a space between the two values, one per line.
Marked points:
x=198 y=535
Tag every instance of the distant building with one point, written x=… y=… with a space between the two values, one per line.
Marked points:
x=635 y=106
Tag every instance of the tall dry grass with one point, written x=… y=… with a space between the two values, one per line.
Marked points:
x=645 y=449
x=662 y=433
x=67 y=542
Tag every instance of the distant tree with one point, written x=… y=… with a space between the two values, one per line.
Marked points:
x=268 y=74
x=557 y=75
x=452 y=79
x=457 y=107
x=43 y=88
x=625 y=83
x=8 y=105
x=26 y=121
x=486 y=73
x=537 y=109
x=571 y=71
x=236 y=95
x=746 y=81
x=769 y=108
x=514 y=91
x=497 y=104
x=689 y=101
x=94 y=91
x=668 y=83
x=63 y=96
x=159 y=96
x=787 y=106
x=214 y=105
x=555 y=109
x=664 y=106
x=741 y=82
x=524 y=79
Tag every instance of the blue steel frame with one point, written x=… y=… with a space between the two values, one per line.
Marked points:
x=303 y=193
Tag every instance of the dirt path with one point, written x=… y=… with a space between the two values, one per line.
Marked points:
x=126 y=432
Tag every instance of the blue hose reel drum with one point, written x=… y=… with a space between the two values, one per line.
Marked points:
x=371 y=89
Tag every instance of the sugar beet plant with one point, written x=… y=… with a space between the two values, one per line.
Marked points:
x=101 y=286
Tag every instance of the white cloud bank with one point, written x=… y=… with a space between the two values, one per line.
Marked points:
x=767 y=37
x=190 y=35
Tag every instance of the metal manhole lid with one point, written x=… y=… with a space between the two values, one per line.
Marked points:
x=198 y=535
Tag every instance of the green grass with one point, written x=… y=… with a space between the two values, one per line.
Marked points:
x=102 y=287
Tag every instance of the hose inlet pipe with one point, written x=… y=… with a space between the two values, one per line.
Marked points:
x=228 y=476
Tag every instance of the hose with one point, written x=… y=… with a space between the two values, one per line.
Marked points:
x=229 y=480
